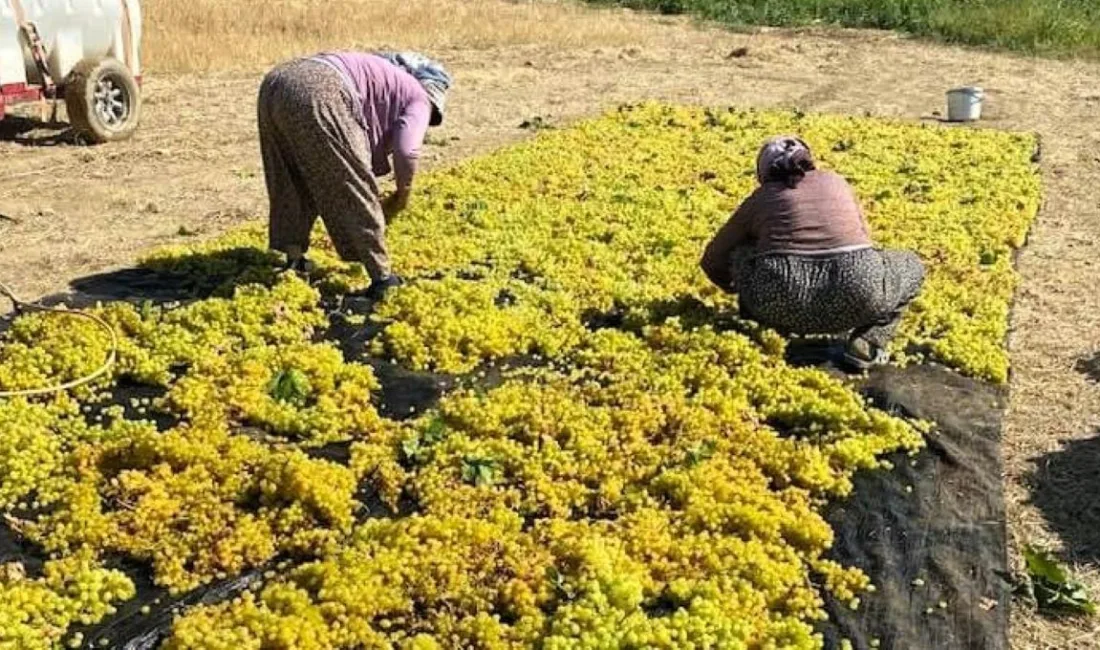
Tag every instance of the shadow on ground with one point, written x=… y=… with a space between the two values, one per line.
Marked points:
x=32 y=132
x=179 y=280
x=1090 y=367
x=184 y=278
x=1065 y=487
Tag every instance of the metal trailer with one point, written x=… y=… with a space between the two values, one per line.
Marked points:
x=86 y=52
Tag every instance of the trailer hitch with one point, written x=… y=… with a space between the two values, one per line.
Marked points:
x=38 y=53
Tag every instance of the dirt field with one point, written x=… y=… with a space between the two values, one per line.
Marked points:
x=194 y=171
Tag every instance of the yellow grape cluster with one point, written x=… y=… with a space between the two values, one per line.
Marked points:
x=236 y=387
x=456 y=323
x=661 y=490
x=658 y=481
x=240 y=258
x=612 y=215
x=35 y=443
x=42 y=349
x=30 y=449
x=223 y=491
x=35 y=612
x=198 y=503
x=46 y=349
x=615 y=212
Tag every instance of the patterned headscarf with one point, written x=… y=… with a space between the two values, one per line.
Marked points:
x=431 y=75
x=784 y=158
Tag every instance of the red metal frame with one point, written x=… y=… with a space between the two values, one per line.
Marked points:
x=20 y=92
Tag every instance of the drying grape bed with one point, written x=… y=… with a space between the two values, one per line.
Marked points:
x=644 y=469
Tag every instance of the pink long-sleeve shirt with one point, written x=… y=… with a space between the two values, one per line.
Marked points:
x=822 y=215
x=395 y=111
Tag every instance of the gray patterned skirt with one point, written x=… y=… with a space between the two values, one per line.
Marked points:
x=863 y=292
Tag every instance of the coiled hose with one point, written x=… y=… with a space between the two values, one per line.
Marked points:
x=21 y=305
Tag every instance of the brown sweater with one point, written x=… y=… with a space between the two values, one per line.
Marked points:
x=819 y=216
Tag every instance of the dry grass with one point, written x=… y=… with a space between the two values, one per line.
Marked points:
x=217 y=35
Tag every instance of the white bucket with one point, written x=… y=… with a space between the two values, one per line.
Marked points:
x=965 y=104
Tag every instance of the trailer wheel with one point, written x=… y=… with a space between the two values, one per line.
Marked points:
x=103 y=100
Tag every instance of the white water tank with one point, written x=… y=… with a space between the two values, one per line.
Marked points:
x=92 y=44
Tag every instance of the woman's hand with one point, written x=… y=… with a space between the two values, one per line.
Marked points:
x=718 y=253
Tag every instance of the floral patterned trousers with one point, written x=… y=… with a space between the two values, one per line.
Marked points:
x=863 y=292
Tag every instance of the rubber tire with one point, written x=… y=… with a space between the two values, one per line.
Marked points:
x=80 y=100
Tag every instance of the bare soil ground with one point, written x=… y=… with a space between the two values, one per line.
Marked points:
x=193 y=171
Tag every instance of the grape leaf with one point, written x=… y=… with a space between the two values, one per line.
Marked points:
x=700 y=452
x=435 y=431
x=290 y=386
x=412 y=449
x=1052 y=588
x=479 y=471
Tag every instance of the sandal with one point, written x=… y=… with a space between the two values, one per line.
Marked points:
x=862 y=355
